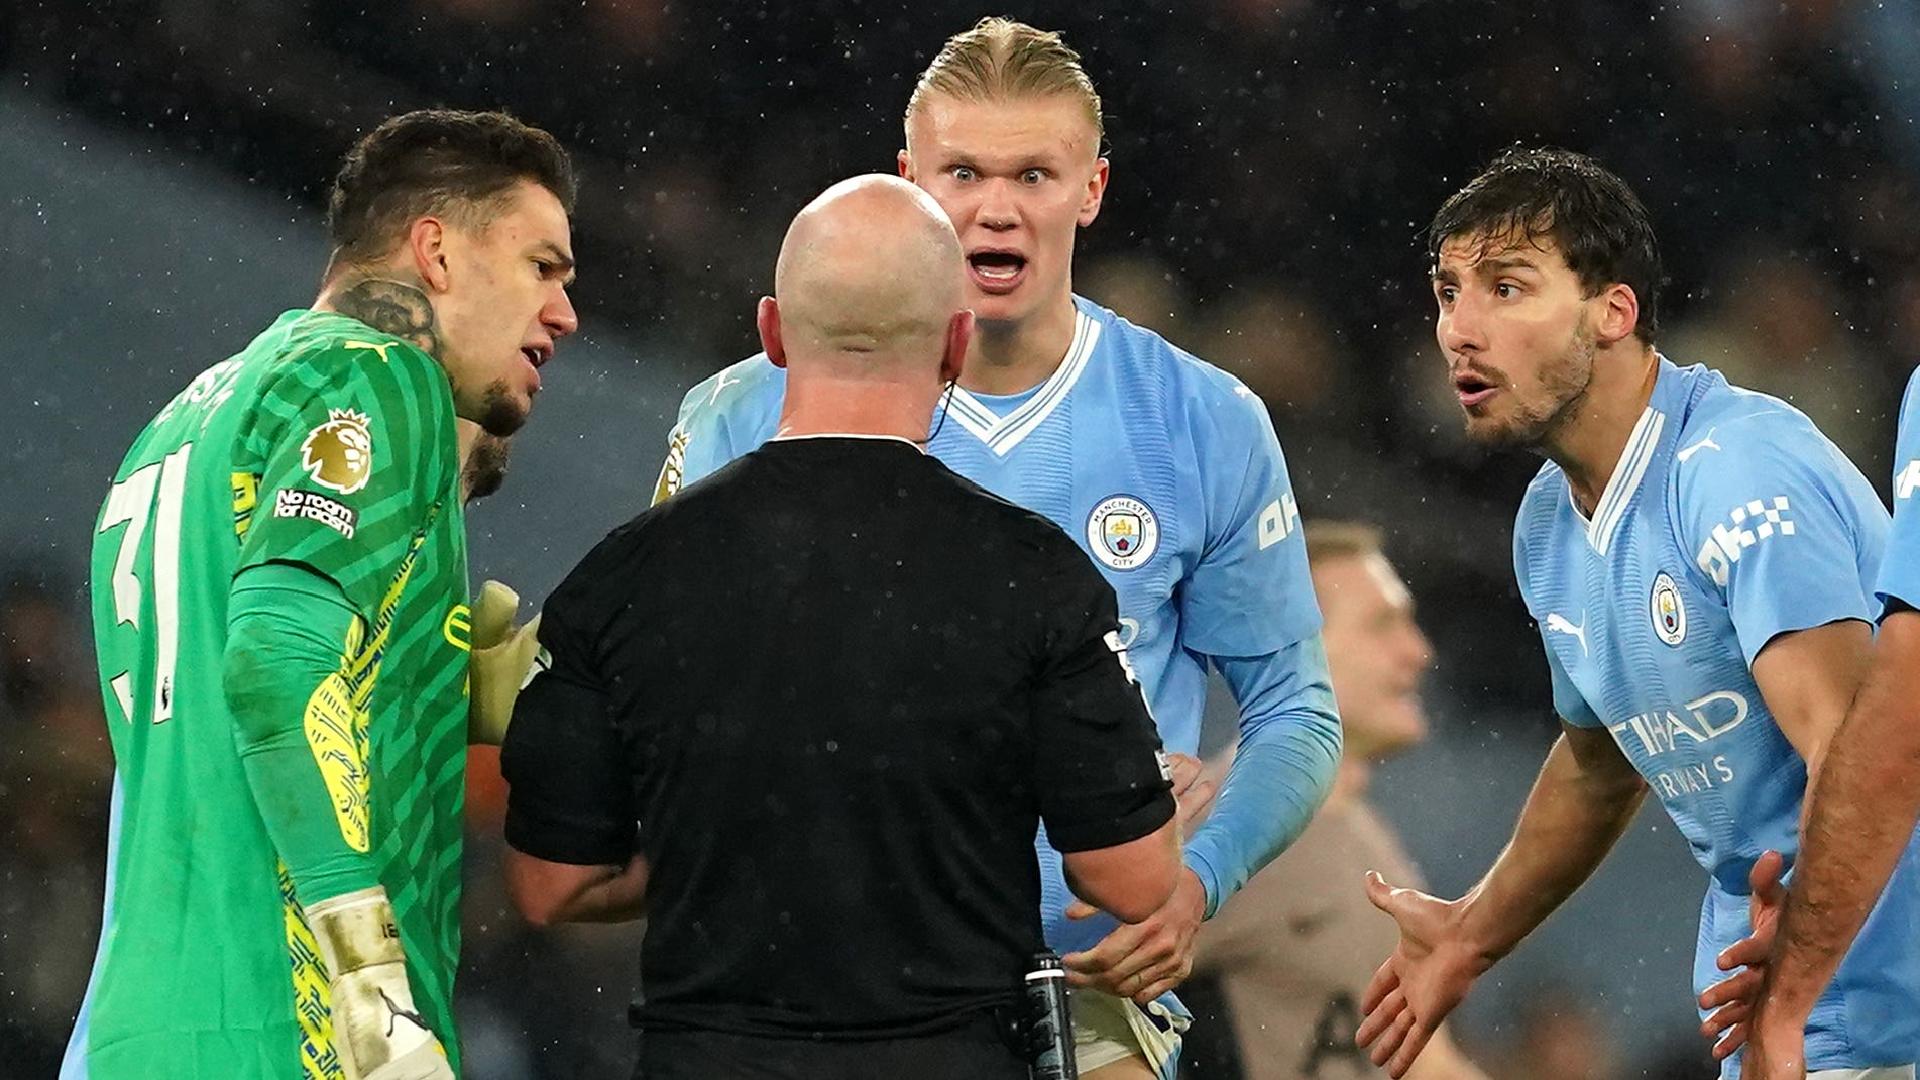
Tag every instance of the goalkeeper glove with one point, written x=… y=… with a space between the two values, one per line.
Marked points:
x=377 y=1031
x=501 y=663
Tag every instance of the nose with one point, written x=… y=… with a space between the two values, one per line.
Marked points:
x=1421 y=648
x=559 y=317
x=1460 y=330
x=998 y=209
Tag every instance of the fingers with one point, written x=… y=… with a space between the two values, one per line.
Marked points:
x=1765 y=878
x=1735 y=1039
x=1080 y=909
x=1390 y=1040
x=1380 y=1018
x=1717 y=1024
x=1112 y=950
x=1186 y=770
x=1748 y=951
x=1743 y=987
x=1410 y=1047
x=1379 y=891
x=1386 y=978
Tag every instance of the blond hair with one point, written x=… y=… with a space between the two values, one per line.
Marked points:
x=1001 y=59
x=1329 y=540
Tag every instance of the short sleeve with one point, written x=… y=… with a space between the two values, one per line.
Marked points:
x=1567 y=699
x=355 y=450
x=1097 y=758
x=570 y=798
x=1251 y=593
x=1781 y=527
x=725 y=417
x=1899 y=582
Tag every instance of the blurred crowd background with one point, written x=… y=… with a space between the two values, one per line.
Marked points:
x=162 y=167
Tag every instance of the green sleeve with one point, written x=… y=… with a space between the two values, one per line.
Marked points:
x=304 y=756
x=354 y=446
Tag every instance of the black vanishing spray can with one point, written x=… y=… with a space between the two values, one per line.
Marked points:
x=1050 y=1030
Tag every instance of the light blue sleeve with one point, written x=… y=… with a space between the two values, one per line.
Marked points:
x=1899 y=581
x=1251 y=593
x=1567 y=699
x=1282 y=770
x=1782 y=527
x=728 y=415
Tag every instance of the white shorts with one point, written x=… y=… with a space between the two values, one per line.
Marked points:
x=1107 y=1029
x=1884 y=1072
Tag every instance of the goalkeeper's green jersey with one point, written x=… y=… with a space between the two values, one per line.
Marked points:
x=330 y=445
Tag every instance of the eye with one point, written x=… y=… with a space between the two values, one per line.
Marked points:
x=963 y=173
x=1506 y=290
x=546 y=268
x=1446 y=293
x=1032 y=176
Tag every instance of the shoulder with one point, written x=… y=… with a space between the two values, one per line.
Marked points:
x=1202 y=386
x=736 y=388
x=1540 y=513
x=325 y=350
x=1737 y=442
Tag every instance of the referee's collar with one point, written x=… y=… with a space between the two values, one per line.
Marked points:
x=870 y=436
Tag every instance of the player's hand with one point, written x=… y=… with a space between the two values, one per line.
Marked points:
x=500 y=663
x=1193 y=792
x=1145 y=959
x=1428 y=974
x=377 y=1031
x=1734 y=998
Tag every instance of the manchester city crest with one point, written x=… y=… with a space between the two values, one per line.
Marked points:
x=1122 y=532
x=1669 y=614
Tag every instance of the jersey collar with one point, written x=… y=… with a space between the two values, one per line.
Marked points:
x=1629 y=471
x=1002 y=433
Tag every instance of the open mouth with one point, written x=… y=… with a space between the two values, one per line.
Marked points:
x=996 y=271
x=1473 y=390
x=535 y=358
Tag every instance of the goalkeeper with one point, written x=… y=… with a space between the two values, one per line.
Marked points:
x=279 y=600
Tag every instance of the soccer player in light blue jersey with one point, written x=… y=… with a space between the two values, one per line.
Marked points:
x=1700 y=561
x=1164 y=468
x=1860 y=821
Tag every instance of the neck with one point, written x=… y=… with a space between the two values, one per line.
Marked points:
x=1588 y=442
x=819 y=404
x=1353 y=777
x=389 y=300
x=1008 y=357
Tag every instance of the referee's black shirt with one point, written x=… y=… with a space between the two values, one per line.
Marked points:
x=828 y=693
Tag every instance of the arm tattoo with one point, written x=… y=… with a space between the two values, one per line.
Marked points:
x=392 y=307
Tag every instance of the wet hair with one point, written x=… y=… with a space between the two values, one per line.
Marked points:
x=443 y=162
x=1001 y=59
x=1528 y=196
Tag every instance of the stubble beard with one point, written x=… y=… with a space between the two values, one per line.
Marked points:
x=1563 y=385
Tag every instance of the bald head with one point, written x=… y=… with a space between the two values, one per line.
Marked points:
x=870 y=273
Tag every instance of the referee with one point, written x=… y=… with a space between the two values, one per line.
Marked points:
x=837 y=687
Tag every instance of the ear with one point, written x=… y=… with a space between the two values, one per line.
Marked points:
x=1619 y=314
x=427 y=244
x=767 y=318
x=1095 y=194
x=904 y=162
x=959 y=335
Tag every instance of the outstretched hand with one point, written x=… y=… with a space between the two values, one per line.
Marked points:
x=1429 y=973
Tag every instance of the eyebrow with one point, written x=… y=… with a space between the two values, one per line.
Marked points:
x=563 y=260
x=1510 y=262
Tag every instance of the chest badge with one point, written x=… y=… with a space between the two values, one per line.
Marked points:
x=1122 y=532
x=1669 y=614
